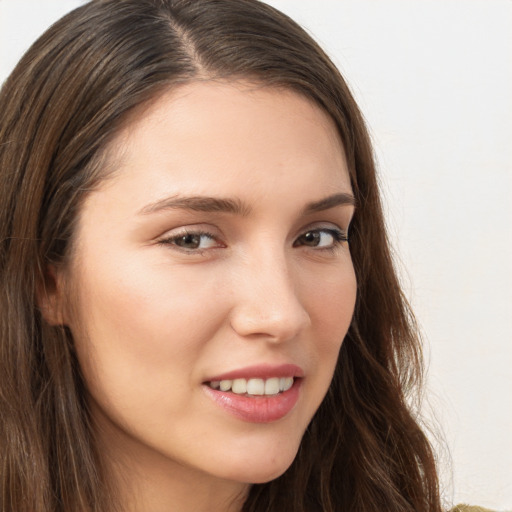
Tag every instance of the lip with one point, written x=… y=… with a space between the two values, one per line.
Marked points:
x=260 y=408
x=262 y=371
x=256 y=409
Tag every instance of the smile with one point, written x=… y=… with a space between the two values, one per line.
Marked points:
x=257 y=394
x=254 y=386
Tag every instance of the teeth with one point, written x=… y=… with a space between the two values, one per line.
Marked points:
x=285 y=383
x=255 y=387
x=225 y=385
x=271 y=386
x=239 y=386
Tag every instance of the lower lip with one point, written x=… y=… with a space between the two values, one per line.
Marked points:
x=259 y=408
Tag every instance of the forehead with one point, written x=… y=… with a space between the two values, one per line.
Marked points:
x=223 y=139
x=230 y=126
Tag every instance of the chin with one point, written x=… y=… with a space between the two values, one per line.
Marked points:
x=260 y=476
x=263 y=469
x=268 y=477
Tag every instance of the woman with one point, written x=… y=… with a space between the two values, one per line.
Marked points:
x=187 y=321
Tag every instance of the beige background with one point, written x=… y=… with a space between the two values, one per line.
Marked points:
x=434 y=79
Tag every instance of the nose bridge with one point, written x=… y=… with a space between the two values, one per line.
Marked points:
x=267 y=302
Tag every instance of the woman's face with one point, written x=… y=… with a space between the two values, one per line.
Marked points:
x=211 y=274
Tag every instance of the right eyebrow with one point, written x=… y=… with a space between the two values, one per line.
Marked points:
x=340 y=199
x=198 y=204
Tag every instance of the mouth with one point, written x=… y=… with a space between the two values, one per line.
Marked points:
x=257 y=394
x=253 y=386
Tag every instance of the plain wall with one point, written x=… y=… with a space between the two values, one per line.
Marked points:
x=434 y=80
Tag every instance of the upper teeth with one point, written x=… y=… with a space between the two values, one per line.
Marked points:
x=270 y=386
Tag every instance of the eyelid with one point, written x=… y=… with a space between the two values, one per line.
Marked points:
x=202 y=228
x=326 y=226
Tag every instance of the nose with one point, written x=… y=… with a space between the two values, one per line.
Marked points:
x=267 y=304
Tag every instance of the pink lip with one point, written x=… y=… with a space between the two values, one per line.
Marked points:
x=258 y=409
x=263 y=371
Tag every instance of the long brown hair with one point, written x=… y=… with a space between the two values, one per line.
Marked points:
x=63 y=103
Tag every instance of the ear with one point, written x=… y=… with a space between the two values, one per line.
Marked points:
x=50 y=296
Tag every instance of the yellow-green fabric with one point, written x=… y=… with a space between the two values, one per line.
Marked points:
x=469 y=508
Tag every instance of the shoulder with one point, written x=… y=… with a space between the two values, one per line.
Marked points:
x=469 y=508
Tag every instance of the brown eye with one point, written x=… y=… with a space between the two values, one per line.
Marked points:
x=321 y=238
x=188 y=241
x=311 y=238
x=192 y=241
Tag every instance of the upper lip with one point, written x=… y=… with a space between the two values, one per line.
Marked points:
x=262 y=371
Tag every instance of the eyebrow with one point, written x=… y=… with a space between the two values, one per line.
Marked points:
x=341 y=199
x=235 y=206
x=198 y=204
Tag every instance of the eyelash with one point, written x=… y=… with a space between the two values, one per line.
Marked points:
x=339 y=237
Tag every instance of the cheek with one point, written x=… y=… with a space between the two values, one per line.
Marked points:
x=161 y=301
x=331 y=304
x=145 y=326
x=331 y=307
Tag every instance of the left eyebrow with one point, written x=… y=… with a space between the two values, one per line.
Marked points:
x=198 y=204
x=341 y=199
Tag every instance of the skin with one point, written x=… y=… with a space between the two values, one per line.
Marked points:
x=154 y=319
